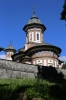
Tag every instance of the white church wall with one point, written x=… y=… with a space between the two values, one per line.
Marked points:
x=45 y=62
x=8 y=55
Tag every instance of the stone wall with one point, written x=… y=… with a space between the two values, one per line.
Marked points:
x=51 y=73
x=9 y=69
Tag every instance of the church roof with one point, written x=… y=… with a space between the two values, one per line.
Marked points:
x=28 y=57
x=21 y=49
x=34 y=21
x=10 y=47
x=44 y=46
x=42 y=43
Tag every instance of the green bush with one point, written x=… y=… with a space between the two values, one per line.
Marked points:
x=33 y=88
x=64 y=66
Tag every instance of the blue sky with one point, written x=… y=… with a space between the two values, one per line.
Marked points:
x=14 y=14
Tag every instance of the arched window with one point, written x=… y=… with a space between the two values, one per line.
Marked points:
x=37 y=36
x=30 y=36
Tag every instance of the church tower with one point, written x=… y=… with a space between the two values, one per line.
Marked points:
x=36 y=50
x=9 y=51
x=34 y=31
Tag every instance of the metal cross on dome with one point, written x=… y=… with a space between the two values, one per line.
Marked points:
x=10 y=42
x=63 y=13
x=34 y=11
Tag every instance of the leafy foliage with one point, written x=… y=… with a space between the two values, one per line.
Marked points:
x=14 y=89
x=64 y=66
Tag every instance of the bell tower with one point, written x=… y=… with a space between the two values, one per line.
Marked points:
x=9 y=51
x=34 y=29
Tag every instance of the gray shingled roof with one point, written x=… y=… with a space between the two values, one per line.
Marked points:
x=34 y=19
x=42 y=43
x=27 y=57
x=21 y=49
x=34 y=22
x=45 y=44
x=10 y=46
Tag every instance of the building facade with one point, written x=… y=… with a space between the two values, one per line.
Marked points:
x=36 y=51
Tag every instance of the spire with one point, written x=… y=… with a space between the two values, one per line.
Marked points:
x=34 y=11
x=10 y=43
x=10 y=48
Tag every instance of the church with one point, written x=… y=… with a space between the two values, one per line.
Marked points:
x=35 y=51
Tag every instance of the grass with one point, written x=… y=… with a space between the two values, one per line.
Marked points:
x=11 y=88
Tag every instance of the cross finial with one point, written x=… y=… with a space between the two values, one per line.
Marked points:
x=10 y=42
x=34 y=11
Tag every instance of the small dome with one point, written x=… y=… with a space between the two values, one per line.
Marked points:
x=34 y=19
x=10 y=47
x=34 y=22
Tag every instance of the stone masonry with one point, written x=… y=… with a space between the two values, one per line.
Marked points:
x=10 y=69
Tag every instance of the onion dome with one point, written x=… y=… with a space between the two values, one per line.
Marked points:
x=34 y=19
x=10 y=48
x=34 y=22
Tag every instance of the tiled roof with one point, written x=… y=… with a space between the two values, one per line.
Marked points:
x=10 y=46
x=34 y=19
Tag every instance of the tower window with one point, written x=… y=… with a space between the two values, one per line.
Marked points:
x=31 y=36
x=37 y=36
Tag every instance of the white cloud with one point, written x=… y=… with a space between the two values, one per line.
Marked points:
x=63 y=58
x=2 y=56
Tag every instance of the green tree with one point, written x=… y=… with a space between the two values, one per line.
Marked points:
x=64 y=66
